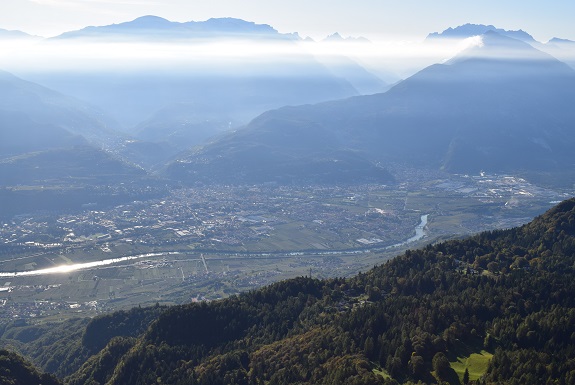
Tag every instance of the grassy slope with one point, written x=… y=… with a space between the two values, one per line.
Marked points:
x=476 y=363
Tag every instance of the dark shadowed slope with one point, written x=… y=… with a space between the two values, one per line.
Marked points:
x=14 y=370
x=78 y=165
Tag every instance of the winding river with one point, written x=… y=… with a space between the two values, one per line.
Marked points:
x=419 y=233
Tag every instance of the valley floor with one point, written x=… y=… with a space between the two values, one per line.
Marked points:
x=208 y=243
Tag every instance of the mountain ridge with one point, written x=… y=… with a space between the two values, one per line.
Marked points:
x=47 y=106
x=560 y=41
x=157 y=27
x=437 y=116
x=336 y=37
x=470 y=30
x=16 y=34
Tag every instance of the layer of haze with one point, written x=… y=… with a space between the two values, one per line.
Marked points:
x=218 y=55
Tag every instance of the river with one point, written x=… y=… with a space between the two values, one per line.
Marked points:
x=84 y=266
x=419 y=233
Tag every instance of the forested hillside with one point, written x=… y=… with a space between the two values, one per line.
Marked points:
x=14 y=370
x=496 y=308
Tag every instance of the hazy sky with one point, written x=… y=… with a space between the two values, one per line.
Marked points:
x=374 y=19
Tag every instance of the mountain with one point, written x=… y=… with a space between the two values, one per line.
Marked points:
x=15 y=370
x=278 y=147
x=562 y=49
x=500 y=106
x=182 y=125
x=364 y=81
x=20 y=134
x=173 y=129
x=154 y=27
x=80 y=164
x=53 y=144
x=69 y=179
x=470 y=30
x=135 y=70
x=239 y=88
x=57 y=115
x=498 y=306
x=16 y=35
x=140 y=67
x=336 y=37
x=557 y=40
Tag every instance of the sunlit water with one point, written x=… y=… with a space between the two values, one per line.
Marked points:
x=419 y=233
x=83 y=266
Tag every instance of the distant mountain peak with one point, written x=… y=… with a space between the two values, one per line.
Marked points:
x=12 y=34
x=235 y=24
x=151 y=18
x=149 y=21
x=336 y=37
x=496 y=46
x=470 y=30
x=151 y=26
x=557 y=40
x=493 y=37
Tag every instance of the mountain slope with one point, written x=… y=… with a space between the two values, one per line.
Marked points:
x=20 y=134
x=362 y=80
x=14 y=370
x=22 y=99
x=16 y=35
x=501 y=106
x=81 y=164
x=504 y=295
x=272 y=149
x=183 y=126
x=47 y=138
x=562 y=49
